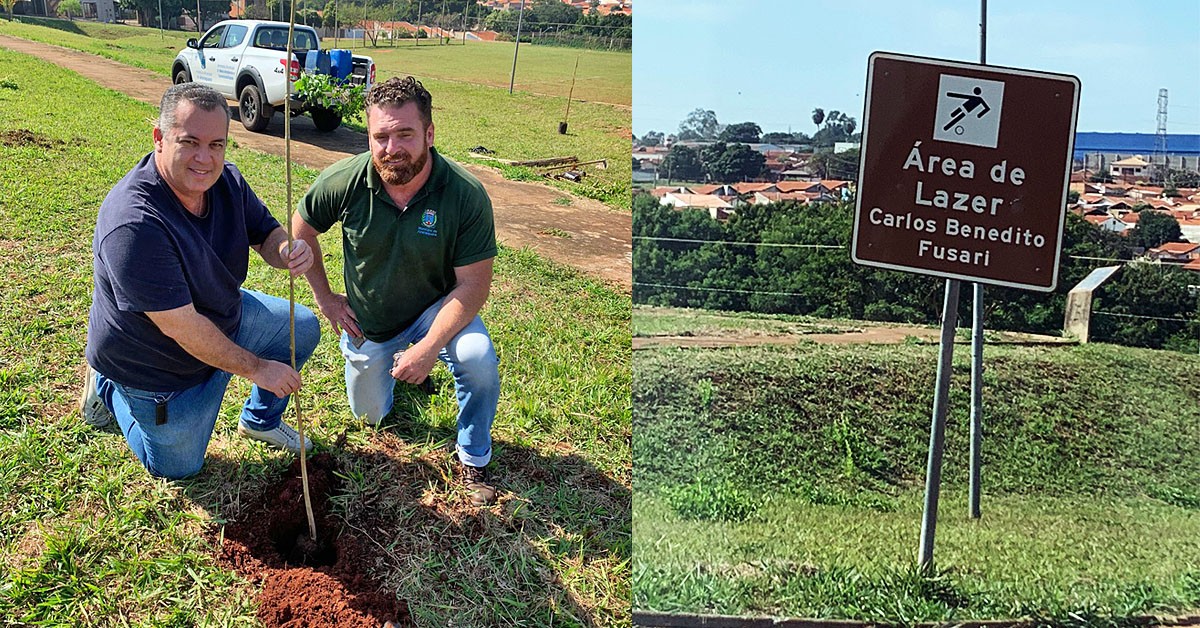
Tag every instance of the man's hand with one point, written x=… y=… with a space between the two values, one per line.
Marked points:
x=299 y=260
x=276 y=377
x=416 y=364
x=336 y=308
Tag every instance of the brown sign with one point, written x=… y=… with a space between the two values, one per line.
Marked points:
x=964 y=170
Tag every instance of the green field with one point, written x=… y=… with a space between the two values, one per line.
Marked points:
x=787 y=481
x=472 y=106
x=87 y=538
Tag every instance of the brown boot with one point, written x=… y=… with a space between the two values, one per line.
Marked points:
x=478 y=485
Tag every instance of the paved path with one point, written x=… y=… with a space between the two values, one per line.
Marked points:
x=586 y=234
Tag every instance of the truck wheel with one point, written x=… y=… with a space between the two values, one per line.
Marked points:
x=183 y=76
x=254 y=110
x=325 y=120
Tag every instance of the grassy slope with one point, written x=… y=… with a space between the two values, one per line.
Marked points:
x=87 y=538
x=470 y=88
x=1090 y=477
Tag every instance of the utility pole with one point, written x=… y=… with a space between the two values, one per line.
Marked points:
x=512 y=79
x=417 y=32
x=466 y=7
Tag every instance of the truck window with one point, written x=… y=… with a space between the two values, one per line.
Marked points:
x=213 y=38
x=276 y=39
x=235 y=34
x=304 y=40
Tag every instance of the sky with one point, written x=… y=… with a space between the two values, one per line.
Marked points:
x=773 y=61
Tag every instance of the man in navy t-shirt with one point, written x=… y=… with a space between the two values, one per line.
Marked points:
x=170 y=323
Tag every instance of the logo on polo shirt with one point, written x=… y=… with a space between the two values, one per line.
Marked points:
x=428 y=220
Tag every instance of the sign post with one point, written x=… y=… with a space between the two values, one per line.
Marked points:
x=963 y=175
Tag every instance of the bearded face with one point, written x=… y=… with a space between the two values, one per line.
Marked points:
x=399 y=141
x=400 y=167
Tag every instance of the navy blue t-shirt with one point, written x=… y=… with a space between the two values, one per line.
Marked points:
x=151 y=254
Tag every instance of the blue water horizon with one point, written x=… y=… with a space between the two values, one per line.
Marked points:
x=1134 y=144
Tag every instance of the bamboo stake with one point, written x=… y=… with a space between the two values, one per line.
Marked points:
x=287 y=143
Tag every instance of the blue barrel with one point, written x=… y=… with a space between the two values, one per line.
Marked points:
x=340 y=60
x=316 y=62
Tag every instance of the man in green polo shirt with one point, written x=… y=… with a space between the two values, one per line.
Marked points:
x=418 y=241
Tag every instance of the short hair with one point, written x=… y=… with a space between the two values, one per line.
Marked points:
x=199 y=95
x=397 y=91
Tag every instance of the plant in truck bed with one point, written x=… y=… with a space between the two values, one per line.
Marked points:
x=323 y=90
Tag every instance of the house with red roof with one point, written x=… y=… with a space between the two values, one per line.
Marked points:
x=1174 y=252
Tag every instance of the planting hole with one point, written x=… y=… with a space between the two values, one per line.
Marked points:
x=297 y=548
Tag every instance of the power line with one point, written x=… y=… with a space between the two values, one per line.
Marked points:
x=1156 y=318
x=659 y=285
x=777 y=244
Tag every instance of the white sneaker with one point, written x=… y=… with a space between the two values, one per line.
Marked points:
x=282 y=437
x=94 y=412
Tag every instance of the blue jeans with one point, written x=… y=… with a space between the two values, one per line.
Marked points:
x=175 y=449
x=472 y=361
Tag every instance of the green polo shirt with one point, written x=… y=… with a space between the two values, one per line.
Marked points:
x=399 y=261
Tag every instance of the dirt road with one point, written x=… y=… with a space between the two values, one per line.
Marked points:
x=586 y=234
x=874 y=334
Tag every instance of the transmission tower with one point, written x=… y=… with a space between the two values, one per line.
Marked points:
x=1160 y=163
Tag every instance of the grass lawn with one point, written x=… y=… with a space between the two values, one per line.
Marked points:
x=88 y=538
x=787 y=480
x=472 y=106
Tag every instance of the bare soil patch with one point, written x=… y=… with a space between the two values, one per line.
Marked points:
x=306 y=583
x=25 y=137
x=600 y=242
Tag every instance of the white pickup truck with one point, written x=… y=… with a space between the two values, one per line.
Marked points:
x=245 y=61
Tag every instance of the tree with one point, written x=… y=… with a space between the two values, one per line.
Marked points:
x=730 y=163
x=747 y=132
x=329 y=17
x=1185 y=179
x=651 y=138
x=545 y=15
x=1154 y=228
x=776 y=137
x=1145 y=290
x=67 y=7
x=818 y=117
x=838 y=127
x=8 y=6
x=682 y=162
x=1073 y=196
x=700 y=124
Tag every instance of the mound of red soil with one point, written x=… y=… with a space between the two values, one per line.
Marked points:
x=307 y=583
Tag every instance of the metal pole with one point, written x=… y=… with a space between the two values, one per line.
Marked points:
x=976 y=400
x=937 y=428
x=513 y=78
x=973 y=492
x=199 y=19
x=160 y=20
x=570 y=93
x=417 y=32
